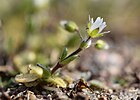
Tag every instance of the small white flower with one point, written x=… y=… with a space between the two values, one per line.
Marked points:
x=95 y=28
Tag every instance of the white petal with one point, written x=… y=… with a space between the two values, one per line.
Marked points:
x=93 y=26
x=89 y=18
x=103 y=25
x=92 y=21
x=97 y=23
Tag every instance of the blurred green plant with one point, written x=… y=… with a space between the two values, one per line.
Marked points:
x=34 y=74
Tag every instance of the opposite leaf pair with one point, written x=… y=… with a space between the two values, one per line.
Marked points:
x=37 y=74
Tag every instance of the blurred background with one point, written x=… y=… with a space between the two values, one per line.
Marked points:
x=30 y=32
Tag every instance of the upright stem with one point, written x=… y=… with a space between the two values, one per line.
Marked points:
x=88 y=39
x=74 y=53
x=58 y=65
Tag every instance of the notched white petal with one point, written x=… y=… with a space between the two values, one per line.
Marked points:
x=103 y=25
x=97 y=20
x=97 y=23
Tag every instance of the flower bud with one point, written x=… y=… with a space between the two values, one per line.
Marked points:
x=100 y=44
x=70 y=26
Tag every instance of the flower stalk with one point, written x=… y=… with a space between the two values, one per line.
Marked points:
x=94 y=30
x=59 y=65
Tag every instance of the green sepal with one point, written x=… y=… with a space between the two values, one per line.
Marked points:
x=57 y=81
x=64 y=54
x=94 y=33
x=68 y=60
x=89 y=25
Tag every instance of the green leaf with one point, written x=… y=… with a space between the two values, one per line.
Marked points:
x=40 y=70
x=68 y=60
x=64 y=54
x=24 y=78
x=31 y=84
x=57 y=81
x=36 y=70
x=46 y=71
